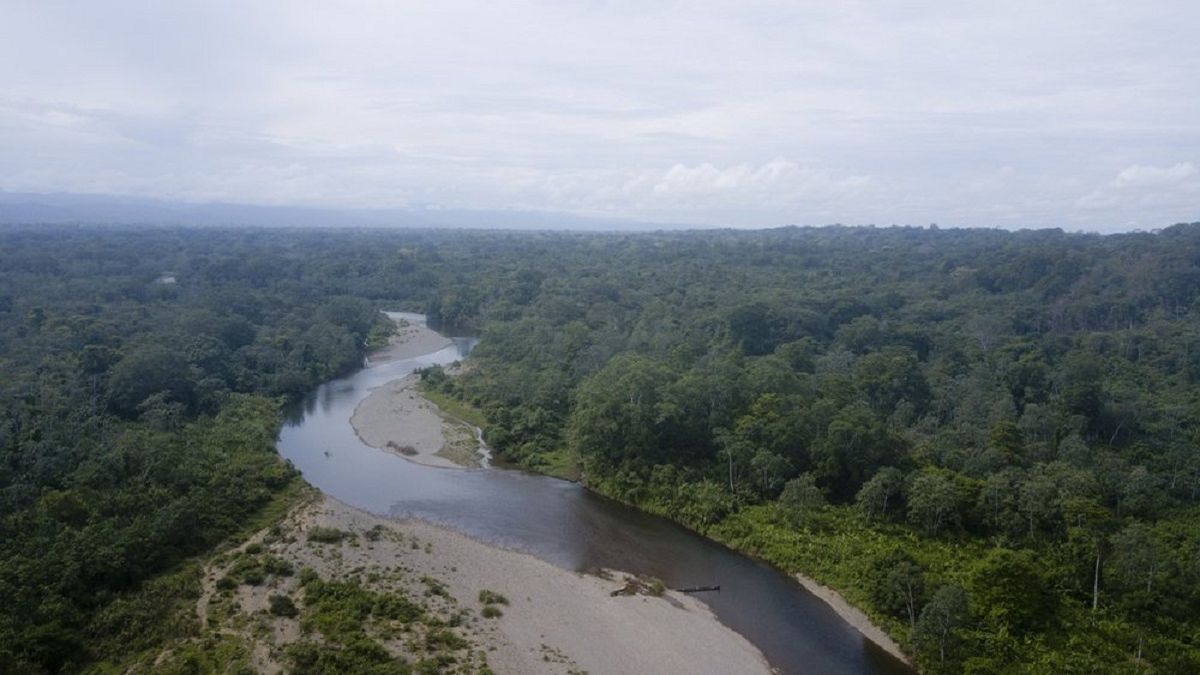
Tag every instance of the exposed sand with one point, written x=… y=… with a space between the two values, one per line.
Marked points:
x=854 y=616
x=412 y=339
x=555 y=621
x=395 y=417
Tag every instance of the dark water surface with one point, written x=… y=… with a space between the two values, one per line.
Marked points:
x=568 y=526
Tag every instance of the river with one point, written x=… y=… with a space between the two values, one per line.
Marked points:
x=568 y=526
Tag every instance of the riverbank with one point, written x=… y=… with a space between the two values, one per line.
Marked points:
x=854 y=616
x=408 y=397
x=555 y=620
x=847 y=612
x=412 y=338
x=395 y=417
x=544 y=619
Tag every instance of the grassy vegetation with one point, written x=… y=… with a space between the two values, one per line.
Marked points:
x=455 y=408
x=352 y=622
x=986 y=440
x=328 y=535
x=492 y=598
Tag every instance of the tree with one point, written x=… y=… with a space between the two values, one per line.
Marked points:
x=855 y=446
x=1088 y=527
x=801 y=498
x=1038 y=501
x=877 y=494
x=932 y=502
x=617 y=413
x=146 y=371
x=898 y=585
x=1008 y=589
x=945 y=613
x=769 y=470
x=892 y=376
x=1137 y=557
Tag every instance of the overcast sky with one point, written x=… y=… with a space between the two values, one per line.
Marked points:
x=1084 y=115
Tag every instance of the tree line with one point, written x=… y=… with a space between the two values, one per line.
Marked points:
x=988 y=440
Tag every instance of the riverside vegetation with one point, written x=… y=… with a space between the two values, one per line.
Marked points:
x=987 y=440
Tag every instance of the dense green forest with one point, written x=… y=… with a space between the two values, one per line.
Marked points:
x=138 y=419
x=988 y=440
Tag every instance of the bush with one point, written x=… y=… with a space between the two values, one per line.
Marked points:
x=444 y=639
x=277 y=566
x=282 y=605
x=491 y=612
x=492 y=598
x=327 y=535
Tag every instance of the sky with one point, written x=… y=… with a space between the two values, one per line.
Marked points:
x=1081 y=115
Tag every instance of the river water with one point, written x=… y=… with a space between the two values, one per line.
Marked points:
x=566 y=525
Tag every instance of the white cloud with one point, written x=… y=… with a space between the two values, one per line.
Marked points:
x=1155 y=176
x=1171 y=192
x=754 y=112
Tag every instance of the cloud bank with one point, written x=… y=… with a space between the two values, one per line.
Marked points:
x=1026 y=114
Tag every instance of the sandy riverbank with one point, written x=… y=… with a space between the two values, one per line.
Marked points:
x=854 y=616
x=395 y=417
x=555 y=621
x=412 y=339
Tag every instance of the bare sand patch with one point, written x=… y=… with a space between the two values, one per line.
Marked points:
x=413 y=338
x=555 y=621
x=854 y=616
x=395 y=417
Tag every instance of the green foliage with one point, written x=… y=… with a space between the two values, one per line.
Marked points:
x=941 y=618
x=139 y=423
x=213 y=654
x=340 y=610
x=933 y=502
x=966 y=390
x=1036 y=392
x=801 y=498
x=492 y=598
x=1008 y=588
x=282 y=605
x=881 y=493
x=491 y=612
x=444 y=639
x=326 y=535
x=898 y=585
x=359 y=655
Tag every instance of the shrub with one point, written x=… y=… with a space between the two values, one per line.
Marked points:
x=444 y=639
x=282 y=605
x=491 y=612
x=277 y=566
x=492 y=598
x=327 y=535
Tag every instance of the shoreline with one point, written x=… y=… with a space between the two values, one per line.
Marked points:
x=413 y=338
x=396 y=418
x=547 y=620
x=556 y=617
x=853 y=616
x=847 y=612
x=402 y=395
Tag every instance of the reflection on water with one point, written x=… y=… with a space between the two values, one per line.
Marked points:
x=565 y=525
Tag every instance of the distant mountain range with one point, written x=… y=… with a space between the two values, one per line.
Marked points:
x=62 y=208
